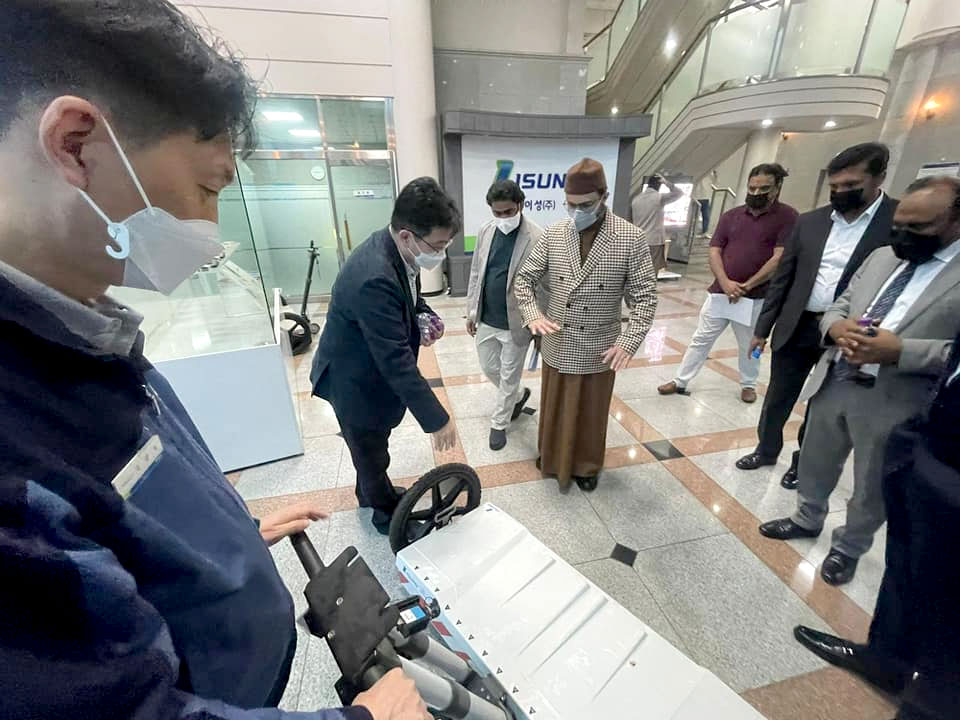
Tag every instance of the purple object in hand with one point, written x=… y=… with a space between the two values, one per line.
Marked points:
x=431 y=327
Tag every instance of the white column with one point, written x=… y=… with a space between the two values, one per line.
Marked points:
x=762 y=147
x=415 y=101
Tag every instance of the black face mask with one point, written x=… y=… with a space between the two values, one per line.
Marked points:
x=914 y=247
x=845 y=201
x=758 y=202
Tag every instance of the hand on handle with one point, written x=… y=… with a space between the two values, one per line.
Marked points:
x=393 y=697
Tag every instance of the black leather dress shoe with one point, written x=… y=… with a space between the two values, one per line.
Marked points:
x=853 y=658
x=790 y=480
x=838 y=569
x=754 y=461
x=587 y=484
x=518 y=408
x=786 y=529
x=381 y=521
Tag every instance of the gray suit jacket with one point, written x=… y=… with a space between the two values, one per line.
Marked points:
x=927 y=330
x=527 y=237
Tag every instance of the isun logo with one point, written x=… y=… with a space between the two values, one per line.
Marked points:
x=530 y=180
x=541 y=181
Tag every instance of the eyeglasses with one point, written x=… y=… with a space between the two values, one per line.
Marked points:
x=432 y=247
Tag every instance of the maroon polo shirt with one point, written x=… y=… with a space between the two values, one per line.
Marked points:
x=746 y=241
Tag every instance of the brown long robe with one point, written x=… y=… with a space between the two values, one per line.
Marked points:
x=573 y=411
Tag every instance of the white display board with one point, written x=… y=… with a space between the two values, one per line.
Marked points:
x=677 y=213
x=538 y=165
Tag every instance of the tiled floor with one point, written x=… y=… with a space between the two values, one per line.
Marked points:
x=671 y=507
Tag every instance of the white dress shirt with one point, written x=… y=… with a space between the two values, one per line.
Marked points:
x=922 y=277
x=840 y=245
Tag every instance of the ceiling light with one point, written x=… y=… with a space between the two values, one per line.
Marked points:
x=830 y=124
x=670 y=45
x=282 y=116
x=305 y=132
x=614 y=110
x=767 y=122
x=930 y=107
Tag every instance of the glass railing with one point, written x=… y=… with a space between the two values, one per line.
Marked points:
x=760 y=41
x=604 y=46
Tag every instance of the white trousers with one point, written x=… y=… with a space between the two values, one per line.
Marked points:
x=501 y=360
x=708 y=330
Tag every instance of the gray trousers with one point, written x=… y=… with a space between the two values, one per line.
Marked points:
x=845 y=416
x=501 y=360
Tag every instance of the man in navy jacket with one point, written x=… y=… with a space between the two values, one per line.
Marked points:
x=366 y=360
x=133 y=581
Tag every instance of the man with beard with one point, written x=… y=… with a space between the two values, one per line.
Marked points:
x=826 y=248
x=888 y=338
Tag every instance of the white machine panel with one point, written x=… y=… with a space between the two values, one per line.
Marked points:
x=562 y=648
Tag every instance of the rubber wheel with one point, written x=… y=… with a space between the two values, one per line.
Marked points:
x=432 y=502
x=300 y=335
x=314 y=328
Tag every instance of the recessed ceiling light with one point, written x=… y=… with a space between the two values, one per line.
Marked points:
x=829 y=124
x=282 y=116
x=670 y=45
x=614 y=110
x=767 y=122
x=305 y=132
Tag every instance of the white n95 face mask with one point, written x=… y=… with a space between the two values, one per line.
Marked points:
x=159 y=251
x=509 y=224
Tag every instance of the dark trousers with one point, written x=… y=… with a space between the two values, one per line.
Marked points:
x=789 y=368
x=916 y=623
x=369 y=450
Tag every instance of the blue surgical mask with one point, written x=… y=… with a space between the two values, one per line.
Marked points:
x=582 y=219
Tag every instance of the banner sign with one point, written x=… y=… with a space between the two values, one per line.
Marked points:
x=538 y=165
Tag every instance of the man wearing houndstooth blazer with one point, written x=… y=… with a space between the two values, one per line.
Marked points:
x=592 y=263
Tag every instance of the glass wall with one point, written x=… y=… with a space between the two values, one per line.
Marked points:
x=882 y=38
x=622 y=24
x=322 y=172
x=741 y=47
x=643 y=144
x=682 y=87
x=821 y=41
x=597 y=50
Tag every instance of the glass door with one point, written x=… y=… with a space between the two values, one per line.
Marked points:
x=288 y=201
x=364 y=185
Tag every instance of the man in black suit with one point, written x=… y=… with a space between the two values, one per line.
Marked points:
x=914 y=643
x=366 y=360
x=821 y=255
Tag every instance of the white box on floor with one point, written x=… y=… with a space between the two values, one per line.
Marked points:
x=562 y=648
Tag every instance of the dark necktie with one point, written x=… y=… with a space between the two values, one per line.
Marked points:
x=881 y=308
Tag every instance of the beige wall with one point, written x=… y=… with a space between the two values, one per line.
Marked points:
x=376 y=48
x=804 y=155
x=548 y=27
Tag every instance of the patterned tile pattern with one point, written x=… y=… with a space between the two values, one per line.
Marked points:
x=670 y=532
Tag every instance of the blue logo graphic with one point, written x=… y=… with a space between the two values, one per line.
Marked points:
x=532 y=180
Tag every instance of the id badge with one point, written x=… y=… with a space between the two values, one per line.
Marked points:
x=133 y=472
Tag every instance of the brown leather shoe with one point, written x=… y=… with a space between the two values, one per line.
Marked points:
x=748 y=395
x=671 y=388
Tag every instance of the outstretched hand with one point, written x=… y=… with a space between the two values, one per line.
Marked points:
x=290 y=520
